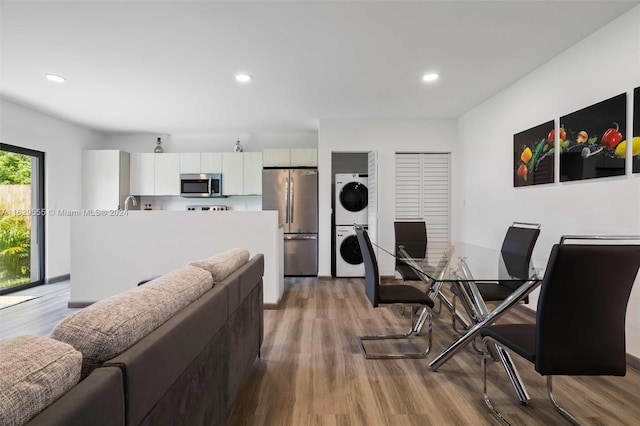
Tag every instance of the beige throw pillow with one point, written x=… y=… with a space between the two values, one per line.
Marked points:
x=222 y=265
x=36 y=371
x=109 y=327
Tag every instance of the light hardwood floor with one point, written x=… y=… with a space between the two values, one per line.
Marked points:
x=312 y=371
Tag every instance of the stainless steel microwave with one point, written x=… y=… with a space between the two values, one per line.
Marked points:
x=203 y=185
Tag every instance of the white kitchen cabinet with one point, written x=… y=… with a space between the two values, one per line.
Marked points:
x=167 y=174
x=304 y=157
x=252 y=173
x=232 y=173
x=142 y=174
x=294 y=157
x=279 y=157
x=105 y=179
x=190 y=163
x=210 y=162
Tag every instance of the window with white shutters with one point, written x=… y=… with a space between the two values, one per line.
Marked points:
x=422 y=191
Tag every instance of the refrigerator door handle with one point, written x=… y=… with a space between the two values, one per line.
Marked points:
x=291 y=200
x=286 y=200
x=301 y=237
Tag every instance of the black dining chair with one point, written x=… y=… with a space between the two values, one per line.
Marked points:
x=401 y=294
x=412 y=236
x=517 y=248
x=580 y=319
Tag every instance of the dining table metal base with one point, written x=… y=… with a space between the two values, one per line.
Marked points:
x=489 y=319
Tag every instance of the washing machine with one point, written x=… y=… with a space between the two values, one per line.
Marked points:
x=352 y=199
x=348 y=256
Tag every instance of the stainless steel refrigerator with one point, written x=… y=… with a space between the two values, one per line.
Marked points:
x=294 y=194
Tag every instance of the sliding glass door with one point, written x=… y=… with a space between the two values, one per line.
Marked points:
x=21 y=218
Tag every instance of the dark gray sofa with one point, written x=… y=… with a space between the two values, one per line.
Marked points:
x=187 y=371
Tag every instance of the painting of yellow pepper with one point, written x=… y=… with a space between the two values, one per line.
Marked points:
x=594 y=145
x=533 y=155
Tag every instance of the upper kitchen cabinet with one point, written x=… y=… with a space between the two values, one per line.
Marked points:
x=252 y=173
x=190 y=163
x=203 y=162
x=276 y=157
x=211 y=162
x=167 y=174
x=142 y=174
x=105 y=179
x=294 y=157
x=304 y=157
x=232 y=173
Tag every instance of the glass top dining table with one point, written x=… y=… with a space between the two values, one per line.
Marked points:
x=445 y=261
x=464 y=266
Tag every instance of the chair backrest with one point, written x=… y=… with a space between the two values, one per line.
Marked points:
x=580 y=320
x=413 y=236
x=520 y=241
x=371 y=275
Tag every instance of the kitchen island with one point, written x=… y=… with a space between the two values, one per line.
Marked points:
x=111 y=254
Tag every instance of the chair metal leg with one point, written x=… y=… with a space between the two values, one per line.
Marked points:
x=561 y=410
x=486 y=355
x=487 y=401
x=415 y=329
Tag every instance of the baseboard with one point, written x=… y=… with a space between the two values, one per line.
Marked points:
x=59 y=278
x=72 y=305
x=633 y=362
x=271 y=306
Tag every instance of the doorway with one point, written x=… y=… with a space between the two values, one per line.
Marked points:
x=21 y=218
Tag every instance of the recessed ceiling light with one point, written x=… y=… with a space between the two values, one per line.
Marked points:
x=55 y=78
x=430 y=77
x=243 y=78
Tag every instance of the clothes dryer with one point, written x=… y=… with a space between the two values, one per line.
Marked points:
x=349 y=261
x=352 y=199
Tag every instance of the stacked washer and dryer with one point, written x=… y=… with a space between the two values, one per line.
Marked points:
x=351 y=204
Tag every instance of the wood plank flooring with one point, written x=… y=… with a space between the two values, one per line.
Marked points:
x=312 y=371
x=38 y=316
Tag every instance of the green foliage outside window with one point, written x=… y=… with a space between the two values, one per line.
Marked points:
x=15 y=169
x=15 y=231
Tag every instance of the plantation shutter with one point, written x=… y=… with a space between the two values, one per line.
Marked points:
x=422 y=191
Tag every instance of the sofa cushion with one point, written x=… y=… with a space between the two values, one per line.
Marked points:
x=105 y=329
x=223 y=264
x=36 y=371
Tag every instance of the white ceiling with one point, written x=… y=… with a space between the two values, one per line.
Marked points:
x=168 y=67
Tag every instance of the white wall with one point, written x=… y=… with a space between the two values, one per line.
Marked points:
x=386 y=137
x=211 y=142
x=602 y=65
x=62 y=143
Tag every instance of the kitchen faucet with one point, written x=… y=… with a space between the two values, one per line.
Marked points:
x=126 y=202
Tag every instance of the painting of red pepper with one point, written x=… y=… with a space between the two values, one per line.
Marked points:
x=635 y=150
x=592 y=140
x=533 y=155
